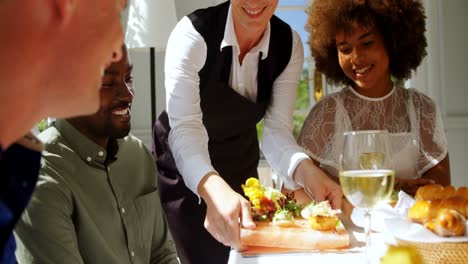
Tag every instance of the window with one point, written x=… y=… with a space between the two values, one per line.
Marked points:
x=294 y=13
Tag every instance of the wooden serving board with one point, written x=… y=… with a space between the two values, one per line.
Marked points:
x=296 y=238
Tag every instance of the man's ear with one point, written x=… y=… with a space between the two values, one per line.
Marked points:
x=64 y=9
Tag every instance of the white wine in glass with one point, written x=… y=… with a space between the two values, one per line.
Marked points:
x=367 y=175
x=366 y=188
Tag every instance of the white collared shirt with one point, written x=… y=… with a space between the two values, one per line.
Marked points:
x=185 y=57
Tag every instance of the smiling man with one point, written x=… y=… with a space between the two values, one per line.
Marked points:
x=96 y=200
x=227 y=68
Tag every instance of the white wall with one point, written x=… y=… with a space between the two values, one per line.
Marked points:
x=141 y=106
x=185 y=7
x=454 y=28
x=454 y=24
x=443 y=76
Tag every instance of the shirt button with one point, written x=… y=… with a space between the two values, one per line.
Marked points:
x=101 y=153
x=24 y=184
x=132 y=253
x=241 y=85
x=122 y=210
x=88 y=158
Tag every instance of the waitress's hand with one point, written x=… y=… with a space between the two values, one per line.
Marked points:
x=317 y=184
x=224 y=208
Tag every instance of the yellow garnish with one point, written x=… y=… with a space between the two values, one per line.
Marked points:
x=252 y=182
x=255 y=191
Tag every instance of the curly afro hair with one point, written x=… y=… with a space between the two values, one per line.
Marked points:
x=401 y=22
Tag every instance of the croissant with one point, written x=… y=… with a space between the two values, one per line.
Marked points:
x=448 y=222
x=423 y=211
x=443 y=210
x=458 y=204
x=462 y=192
x=436 y=191
x=420 y=212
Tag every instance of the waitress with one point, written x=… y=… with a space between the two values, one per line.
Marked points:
x=227 y=68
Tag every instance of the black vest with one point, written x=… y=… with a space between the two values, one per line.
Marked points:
x=230 y=118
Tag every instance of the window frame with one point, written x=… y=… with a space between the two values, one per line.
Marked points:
x=308 y=63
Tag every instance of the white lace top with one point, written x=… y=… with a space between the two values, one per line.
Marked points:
x=412 y=118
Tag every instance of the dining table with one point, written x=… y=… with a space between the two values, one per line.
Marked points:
x=354 y=254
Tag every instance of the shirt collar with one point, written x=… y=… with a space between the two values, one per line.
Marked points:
x=87 y=149
x=372 y=99
x=230 y=38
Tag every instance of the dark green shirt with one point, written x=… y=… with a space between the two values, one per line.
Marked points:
x=89 y=210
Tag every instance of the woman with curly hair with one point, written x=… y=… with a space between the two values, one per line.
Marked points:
x=365 y=45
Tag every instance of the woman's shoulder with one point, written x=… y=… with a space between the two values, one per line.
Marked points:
x=333 y=97
x=327 y=107
x=420 y=99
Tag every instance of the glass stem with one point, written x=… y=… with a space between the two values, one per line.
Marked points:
x=367 y=215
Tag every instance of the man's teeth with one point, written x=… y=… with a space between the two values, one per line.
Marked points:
x=253 y=12
x=102 y=71
x=121 y=112
x=362 y=70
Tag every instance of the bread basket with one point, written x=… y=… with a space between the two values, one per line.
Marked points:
x=436 y=253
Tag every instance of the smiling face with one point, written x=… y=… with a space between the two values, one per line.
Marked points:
x=253 y=14
x=113 y=117
x=364 y=60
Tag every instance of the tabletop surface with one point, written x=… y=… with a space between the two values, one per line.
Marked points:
x=354 y=254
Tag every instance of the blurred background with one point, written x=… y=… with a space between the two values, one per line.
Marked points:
x=442 y=75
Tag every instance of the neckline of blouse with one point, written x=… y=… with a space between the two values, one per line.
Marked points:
x=373 y=99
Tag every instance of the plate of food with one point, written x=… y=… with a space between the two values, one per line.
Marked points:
x=283 y=225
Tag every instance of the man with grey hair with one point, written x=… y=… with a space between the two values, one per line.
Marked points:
x=52 y=57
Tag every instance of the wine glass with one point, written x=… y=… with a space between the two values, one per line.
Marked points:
x=367 y=175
